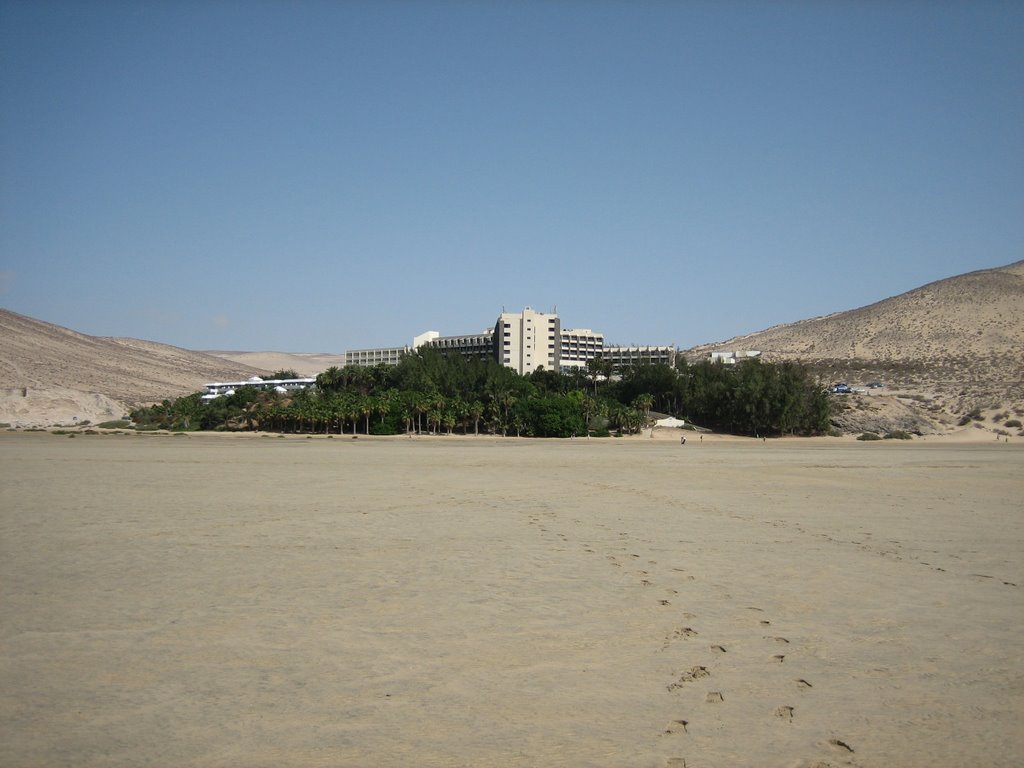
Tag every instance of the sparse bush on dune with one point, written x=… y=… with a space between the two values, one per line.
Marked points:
x=1012 y=423
x=868 y=436
x=899 y=434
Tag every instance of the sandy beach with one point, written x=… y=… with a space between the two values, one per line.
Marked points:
x=210 y=600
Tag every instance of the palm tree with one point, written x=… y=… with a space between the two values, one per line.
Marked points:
x=408 y=406
x=599 y=369
x=384 y=403
x=366 y=407
x=590 y=409
x=449 y=420
x=330 y=380
x=422 y=409
x=644 y=403
x=475 y=411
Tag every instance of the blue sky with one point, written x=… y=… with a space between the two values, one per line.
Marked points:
x=319 y=176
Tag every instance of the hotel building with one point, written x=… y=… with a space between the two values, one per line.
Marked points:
x=524 y=341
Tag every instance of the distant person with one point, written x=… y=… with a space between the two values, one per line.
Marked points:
x=682 y=439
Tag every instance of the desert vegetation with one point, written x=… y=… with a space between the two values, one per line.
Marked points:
x=429 y=392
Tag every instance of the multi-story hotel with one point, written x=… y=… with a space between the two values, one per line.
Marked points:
x=524 y=341
x=578 y=345
x=528 y=340
x=623 y=357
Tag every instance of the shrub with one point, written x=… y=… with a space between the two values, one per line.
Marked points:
x=1012 y=423
x=967 y=418
x=116 y=424
x=898 y=434
x=868 y=436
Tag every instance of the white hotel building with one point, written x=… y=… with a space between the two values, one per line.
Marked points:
x=524 y=341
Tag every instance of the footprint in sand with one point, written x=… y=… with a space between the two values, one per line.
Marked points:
x=677 y=726
x=717 y=649
x=694 y=673
x=679 y=634
x=713 y=697
x=780 y=640
x=779 y=658
x=786 y=713
x=840 y=745
x=801 y=683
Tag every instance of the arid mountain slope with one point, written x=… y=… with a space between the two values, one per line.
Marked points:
x=44 y=367
x=303 y=363
x=957 y=342
x=945 y=351
x=979 y=315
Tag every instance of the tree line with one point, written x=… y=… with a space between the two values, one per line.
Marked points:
x=437 y=393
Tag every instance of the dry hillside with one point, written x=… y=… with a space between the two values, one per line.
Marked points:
x=948 y=349
x=50 y=374
x=303 y=363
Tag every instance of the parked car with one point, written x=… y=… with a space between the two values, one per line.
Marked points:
x=875 y=385
x=842 y=389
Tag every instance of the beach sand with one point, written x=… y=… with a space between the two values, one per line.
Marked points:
x=261 y=601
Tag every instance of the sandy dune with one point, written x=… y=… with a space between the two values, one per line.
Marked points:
x=258 y=601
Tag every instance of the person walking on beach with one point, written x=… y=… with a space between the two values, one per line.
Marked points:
x=682 y=439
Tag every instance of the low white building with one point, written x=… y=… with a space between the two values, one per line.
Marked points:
x=733 y=357
x=217 y=389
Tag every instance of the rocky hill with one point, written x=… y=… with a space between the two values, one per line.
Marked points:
x=53 y=375
x=946 y=351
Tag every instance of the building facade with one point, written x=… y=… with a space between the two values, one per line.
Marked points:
x=478 y=346
x=623 y=357
x=379 y=356
x=528 y=340
x=525 y=342
x=578 y=345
